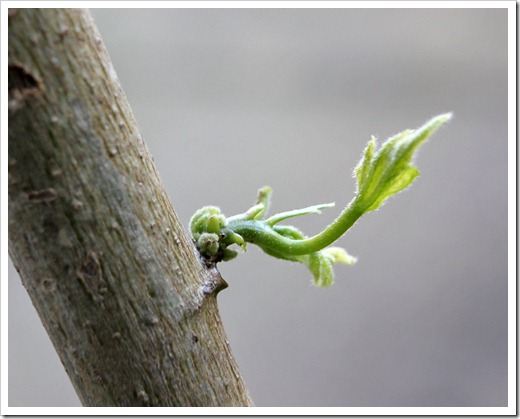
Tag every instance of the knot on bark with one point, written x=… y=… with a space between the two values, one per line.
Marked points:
x=22 y=85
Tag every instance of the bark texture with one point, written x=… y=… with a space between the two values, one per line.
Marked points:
x=117 y=283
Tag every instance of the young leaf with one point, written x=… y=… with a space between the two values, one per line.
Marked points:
x=389 y=170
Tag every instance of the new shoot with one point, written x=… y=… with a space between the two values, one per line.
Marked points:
x=381 y=173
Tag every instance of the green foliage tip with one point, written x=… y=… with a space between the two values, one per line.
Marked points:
x=380 y=174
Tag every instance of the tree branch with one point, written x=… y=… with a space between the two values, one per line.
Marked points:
x=116 y=281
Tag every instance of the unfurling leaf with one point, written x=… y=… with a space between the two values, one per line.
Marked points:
x=387 y=171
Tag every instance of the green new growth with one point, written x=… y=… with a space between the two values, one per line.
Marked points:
x=381 y=173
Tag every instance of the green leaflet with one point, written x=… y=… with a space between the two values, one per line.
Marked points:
x=314 y=209
x=380 y=174
x=363 y=168
x=383 y=173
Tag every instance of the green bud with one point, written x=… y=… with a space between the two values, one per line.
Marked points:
x=229 y=254
x=208 y=244
x=215 y=223
x=199 y=220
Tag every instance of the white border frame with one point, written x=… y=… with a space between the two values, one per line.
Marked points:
x=512 y=248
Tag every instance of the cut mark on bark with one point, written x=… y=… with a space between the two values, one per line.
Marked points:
x=90 y=276
x=42 y=197
x=49 y=285
x=22 y=85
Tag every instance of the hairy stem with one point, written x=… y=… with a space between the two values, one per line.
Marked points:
x=263 y=235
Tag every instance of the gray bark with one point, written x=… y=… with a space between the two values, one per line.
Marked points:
x=118 y=285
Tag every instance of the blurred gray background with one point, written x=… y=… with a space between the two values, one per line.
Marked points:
x=230 y=100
